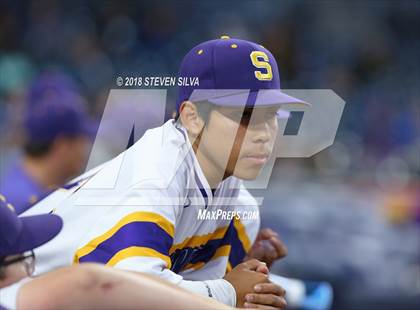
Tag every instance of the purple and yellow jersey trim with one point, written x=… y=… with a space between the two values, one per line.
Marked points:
x=137 y=234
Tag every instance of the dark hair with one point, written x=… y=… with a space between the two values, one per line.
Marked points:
x=2 y=270
x=37 y=149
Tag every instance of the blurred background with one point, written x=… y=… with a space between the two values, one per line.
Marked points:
x=349 y=215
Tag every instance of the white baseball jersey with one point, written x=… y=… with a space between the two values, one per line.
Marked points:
x=151 y=210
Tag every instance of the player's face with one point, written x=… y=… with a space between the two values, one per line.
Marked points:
x=74 y=154
x=80 y=147
x=244 y=139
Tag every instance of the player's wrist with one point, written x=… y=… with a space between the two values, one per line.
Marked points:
x=223 y=291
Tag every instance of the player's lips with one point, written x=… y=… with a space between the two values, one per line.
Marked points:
x=259 y=159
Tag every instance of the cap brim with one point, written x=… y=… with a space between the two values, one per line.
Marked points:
x=37 y=230
x=238 y=98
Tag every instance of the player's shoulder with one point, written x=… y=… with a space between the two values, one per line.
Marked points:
x=159 y=155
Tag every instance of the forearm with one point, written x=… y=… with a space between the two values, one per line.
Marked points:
x=97 y=287
x=220 y=289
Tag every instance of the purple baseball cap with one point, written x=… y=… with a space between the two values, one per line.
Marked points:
x=232 y=72
x=55 y=108
x=21 y=234
x=49 y=82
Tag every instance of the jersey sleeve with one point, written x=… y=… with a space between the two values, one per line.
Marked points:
x=136 y=234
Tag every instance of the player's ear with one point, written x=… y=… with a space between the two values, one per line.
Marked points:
x=190 y=118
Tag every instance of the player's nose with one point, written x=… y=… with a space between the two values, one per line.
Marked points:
x=261 y=132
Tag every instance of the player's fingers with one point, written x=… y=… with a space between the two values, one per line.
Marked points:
x=263 y=268
x=267 y=233
x=268 y=248
x=269 y=253
x=258 y=246
x=269 y=288
x=249 y=305
x=266 y=299
x=253 y=264
x=279 y=247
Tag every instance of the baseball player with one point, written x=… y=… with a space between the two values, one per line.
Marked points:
x=90 y=286
x=57 y=139
x=139 y=211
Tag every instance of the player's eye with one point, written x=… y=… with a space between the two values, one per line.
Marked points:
x=271 y=114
